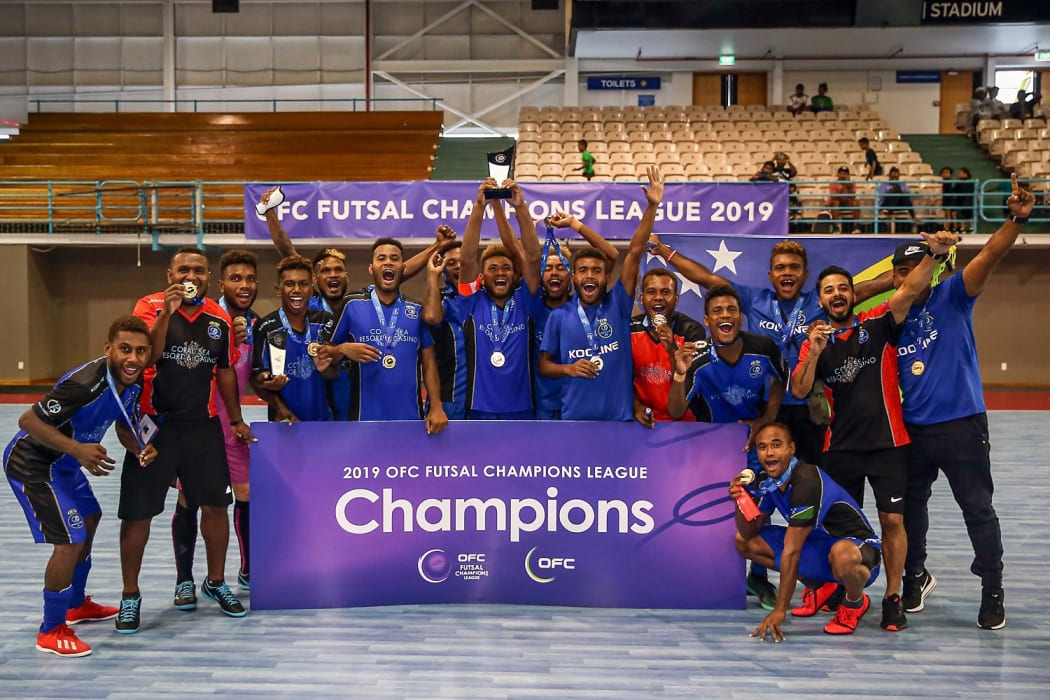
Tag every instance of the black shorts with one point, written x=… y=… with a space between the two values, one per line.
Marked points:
x=195 y=453
x=886 y=470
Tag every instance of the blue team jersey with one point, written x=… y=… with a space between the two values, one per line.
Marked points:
x=386 y=389
x=813 y=499
x=81 y=406
x=769 y=316
x=306 y=393
x=937 y=357
x=548 y=389
x=610 y=396
x=721 y=392
x=451 y=352
x=508 y=387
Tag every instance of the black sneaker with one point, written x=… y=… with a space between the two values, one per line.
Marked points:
x=916 y=588
x=244 y=581
x=185 y=596
x=128 y=617
x=992 y=615
x=222 y=595
x=893 y=618
x=765 y=591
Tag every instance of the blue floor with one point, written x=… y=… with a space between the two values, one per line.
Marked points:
x=499 y=651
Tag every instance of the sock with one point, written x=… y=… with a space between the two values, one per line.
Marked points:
x=80 y=575
x=240 y=525
x=759 y=571
x=184 y=540
x=854 y=603
x=56 y=603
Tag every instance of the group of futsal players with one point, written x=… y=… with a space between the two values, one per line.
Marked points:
x=526 y=330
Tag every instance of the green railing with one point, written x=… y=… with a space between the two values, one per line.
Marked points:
x=201 y=207
x=39 y=104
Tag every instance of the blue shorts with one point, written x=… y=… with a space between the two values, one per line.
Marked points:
x=455 y=410
x=56 y=509
x=814 y=564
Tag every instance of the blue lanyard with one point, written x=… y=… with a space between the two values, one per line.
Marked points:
x=833 y=338
x=389 y=329
x=292 y=333
x=551 y=242
x=502 y=327
x=788 y=326
x=770 y=485
x=588 y=327
x=133 y=423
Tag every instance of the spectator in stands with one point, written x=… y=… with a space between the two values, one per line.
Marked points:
x=964 y=191
x=765 y=174
x=842 y=200
x=587 y=165
x=821 y=102
x=799 y=100
x=783 y=169
x=948 y=201
x=1024 y=107
x=872 y=166
x=995 y=108
x=893 y=196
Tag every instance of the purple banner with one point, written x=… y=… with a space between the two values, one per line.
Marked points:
x=589 y=514
x=414 y=209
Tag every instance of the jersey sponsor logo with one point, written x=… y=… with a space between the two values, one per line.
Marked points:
x=73 y=518
x=605 y=329
x=585 y=353
x=738 y=395
x=655 y=375
x=906 y=349
x=492 y=331
x=755 y=371
x=849 y=370
x=301 y=367
x=189 y=355
x=53 y=407
x=214 y=332
x=375 y=335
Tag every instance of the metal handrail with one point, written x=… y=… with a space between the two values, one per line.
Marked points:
x=154 y=208
x=432 y=102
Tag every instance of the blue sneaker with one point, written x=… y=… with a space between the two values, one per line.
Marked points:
x=760 y=587
x=222 y=595
x=128 y=617
x=185 y=596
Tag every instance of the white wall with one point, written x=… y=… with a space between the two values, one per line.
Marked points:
x=907 y=107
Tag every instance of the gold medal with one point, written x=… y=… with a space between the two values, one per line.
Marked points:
x=312 y=349
x=918 y=367
x=389 y=361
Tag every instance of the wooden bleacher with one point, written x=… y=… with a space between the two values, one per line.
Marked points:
x=187 y=147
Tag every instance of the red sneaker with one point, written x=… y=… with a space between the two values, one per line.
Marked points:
x=90 y=611
x=847 y=619
x=813 y=599
x=62 y=641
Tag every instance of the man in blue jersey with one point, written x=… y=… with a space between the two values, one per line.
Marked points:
x=58 y=436
x=496 y=311
x=449 y=343
x=555 y=267
x=286 y=369
x=827 y=537
x=588 y=341
x=945 y=414
x=735 y=377
x=390 y=347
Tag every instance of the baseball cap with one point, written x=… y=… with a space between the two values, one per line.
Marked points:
x=914 y=250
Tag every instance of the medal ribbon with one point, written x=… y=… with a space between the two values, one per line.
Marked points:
x=789 y=324
x=307 y=335
x=551 y=242
x=131 y=420
x=770 y=485
x=247 y=317
x=588 y=327
x=502 y=327
x=833 y=337
x=389 y=330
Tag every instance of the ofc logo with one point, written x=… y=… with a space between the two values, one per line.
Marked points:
x=546 y=564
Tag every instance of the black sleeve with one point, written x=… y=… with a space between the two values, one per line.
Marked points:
x=59 y=405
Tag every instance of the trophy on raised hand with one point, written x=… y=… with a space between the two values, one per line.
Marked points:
x=500 y=165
